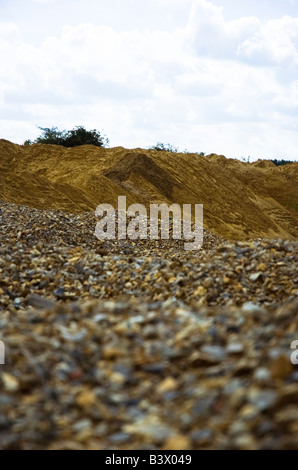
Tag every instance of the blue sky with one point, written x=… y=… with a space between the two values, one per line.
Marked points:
x=203 y=75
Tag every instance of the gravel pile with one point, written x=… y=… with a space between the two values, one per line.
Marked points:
x=142 y=345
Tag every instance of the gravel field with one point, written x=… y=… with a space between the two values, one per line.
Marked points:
x=142 y=345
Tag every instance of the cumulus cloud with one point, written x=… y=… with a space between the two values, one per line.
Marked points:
x=288 y=99
x=210 y=85
x=212 y=35
x=276 y=42
x=247 y=38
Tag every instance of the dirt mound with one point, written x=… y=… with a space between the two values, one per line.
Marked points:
x=263 y=164
x=241 y=200
x=138 y=166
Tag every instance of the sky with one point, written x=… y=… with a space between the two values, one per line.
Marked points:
x=213 y=76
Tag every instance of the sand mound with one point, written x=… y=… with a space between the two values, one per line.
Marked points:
x=263 y=164
x=141 y=169
x=241 y=200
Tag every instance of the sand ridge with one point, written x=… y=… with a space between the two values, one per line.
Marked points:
x=241 y=200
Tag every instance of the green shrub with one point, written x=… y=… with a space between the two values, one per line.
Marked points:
x=73 y=138
x=164 y=147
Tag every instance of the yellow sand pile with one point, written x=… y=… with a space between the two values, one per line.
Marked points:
x=241 y=200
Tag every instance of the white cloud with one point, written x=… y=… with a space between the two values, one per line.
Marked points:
x=246 y=38
x=212 y=35
x=9 y=30
x=275 y=42
x=213 y=85
x=288 y=98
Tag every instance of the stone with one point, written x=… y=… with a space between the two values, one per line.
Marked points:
x=177 y=442
x=167 y=385
x=10 y=382
x=281 y=367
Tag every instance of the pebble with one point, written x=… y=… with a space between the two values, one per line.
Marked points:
x=11 y=383
x=151 y=428
x=262 y=399
x=281 y=367
x=262 y=376
x=177 y=442
x=235 y=348
x=167 y=385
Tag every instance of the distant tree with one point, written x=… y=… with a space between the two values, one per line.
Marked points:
x=164 y=147
x=28 y=142
x=170 y=148
x=201 y=154
x=50 y=136
x=80 y=136
x=72 y=138
x=280 y=162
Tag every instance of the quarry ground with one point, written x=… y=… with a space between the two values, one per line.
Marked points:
x=141 y=344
